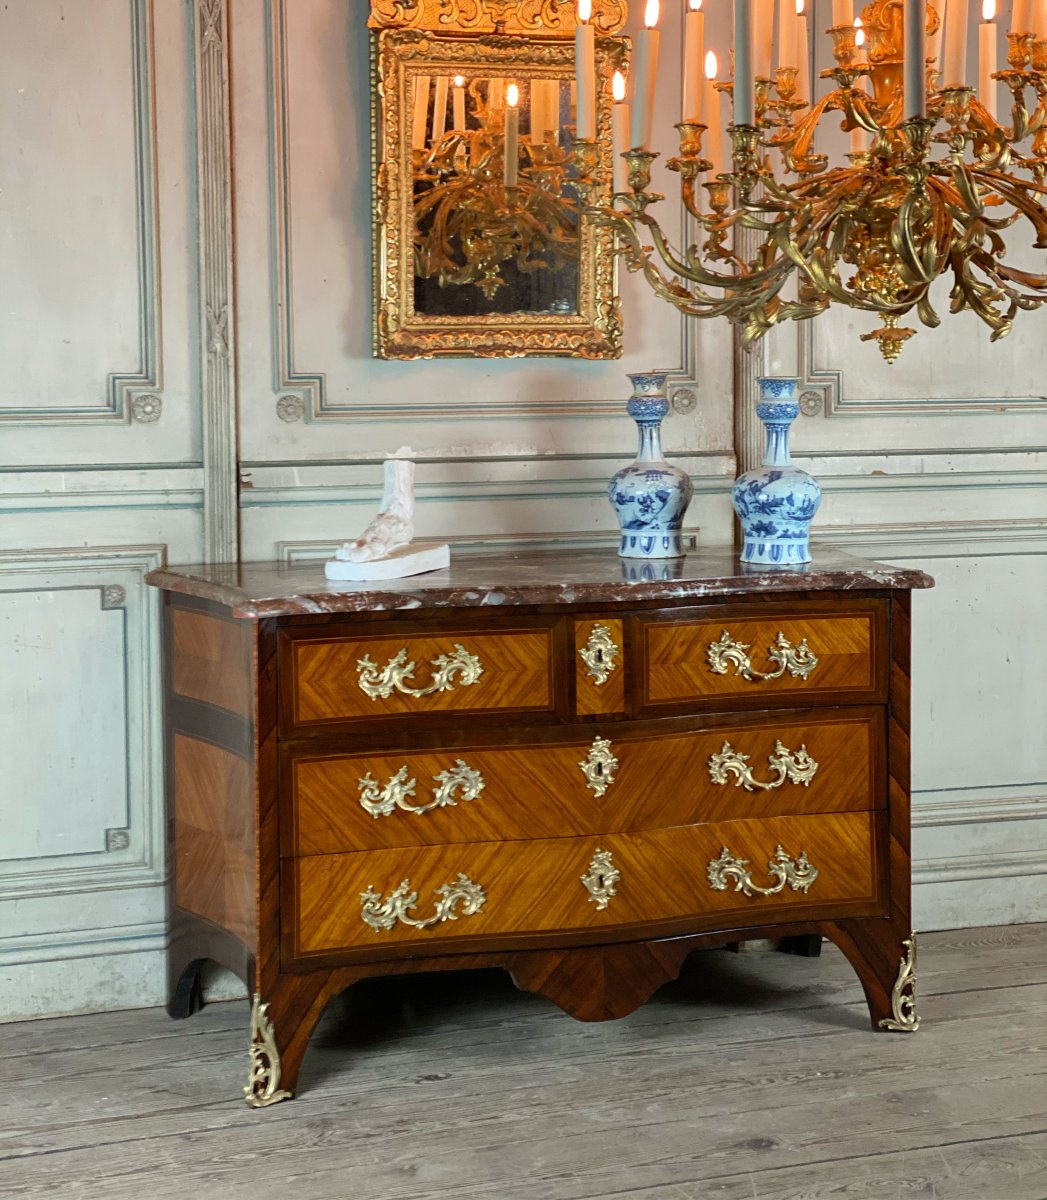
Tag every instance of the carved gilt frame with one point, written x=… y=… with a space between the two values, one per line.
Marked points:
x=419 y=37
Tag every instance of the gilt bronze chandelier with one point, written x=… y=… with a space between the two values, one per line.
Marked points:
x=935 y=184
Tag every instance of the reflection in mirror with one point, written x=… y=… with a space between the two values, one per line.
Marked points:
x=479 y=245
x=495 y=217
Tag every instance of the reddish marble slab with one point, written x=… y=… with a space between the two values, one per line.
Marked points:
x=270 y=589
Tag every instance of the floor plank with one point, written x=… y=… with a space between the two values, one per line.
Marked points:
x=752 y=1077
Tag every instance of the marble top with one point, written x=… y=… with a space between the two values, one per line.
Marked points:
x=270 y=589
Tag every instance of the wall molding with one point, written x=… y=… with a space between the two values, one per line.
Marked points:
x=142 y=859
x=216 y=298
x=828 y=383
x=941 y=539
x=129 y=394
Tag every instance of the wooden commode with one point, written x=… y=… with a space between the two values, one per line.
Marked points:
x=535 y=762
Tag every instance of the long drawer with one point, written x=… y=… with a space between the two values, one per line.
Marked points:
x=774 y=869
x=828 y=761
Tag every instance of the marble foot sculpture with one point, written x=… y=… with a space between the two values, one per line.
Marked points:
x=384 y=550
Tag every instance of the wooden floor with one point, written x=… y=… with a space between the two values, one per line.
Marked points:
x=755 y=1077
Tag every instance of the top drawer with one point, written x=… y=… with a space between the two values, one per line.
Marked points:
x=330 y=679
x=763 y=656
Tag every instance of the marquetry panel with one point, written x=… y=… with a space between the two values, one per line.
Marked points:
x=677 y=668
x=540 y=791
x=535 y=887
x=214 y=834
x=211 y=660
x=517 y=675
x=593 y=697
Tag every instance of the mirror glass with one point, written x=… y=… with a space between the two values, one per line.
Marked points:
x=494 y=235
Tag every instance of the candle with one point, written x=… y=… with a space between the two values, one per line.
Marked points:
x=788 y=34
x=763 y=37
x=1021 y=17
x=545 y=108
x=458 y=102
x=1039 y=20
x=859 y=37
x=619 y=133
x=803 y=54
x=585 y=71
x=693 y=54
x=420 y=128
x=987 y=58
x=440 y=108
x=954 y=66
x=646 y=76
x=843 y=12
x=512 y=134
x=915 y=95
x=713 y=119
x=744 y=101
x=934 y=40
x=859 y=140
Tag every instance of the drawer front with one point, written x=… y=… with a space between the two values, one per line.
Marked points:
x=796 y=654
x=366 y=678
x=622 y=781
x=749 y=872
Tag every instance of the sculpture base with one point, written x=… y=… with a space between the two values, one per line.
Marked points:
x=414 y=559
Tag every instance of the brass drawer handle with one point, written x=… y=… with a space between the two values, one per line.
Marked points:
x=798 y=875
x=383 y=802
x=797 y=767
x=379 y=685
x=599 y=653
x=599 y=766
x=799 y=660
x=383 y=914
x=601 y=879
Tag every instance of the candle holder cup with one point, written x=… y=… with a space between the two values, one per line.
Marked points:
x=1019 y=49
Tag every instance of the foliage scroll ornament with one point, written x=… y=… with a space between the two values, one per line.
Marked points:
x=904 y=1017
x=601 y=880
x=383 y=802
x=383 y=914
x=263 y=1076
x=397 y=672
x=599 y=766
x=798 y=875
x=599 y=653
x=799 y=660
x=535 y=18
x=796 y=767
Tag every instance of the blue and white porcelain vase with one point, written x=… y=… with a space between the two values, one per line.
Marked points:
x=776 y=502
x=650 y=496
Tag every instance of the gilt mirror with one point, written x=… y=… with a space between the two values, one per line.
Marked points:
x=479 y=248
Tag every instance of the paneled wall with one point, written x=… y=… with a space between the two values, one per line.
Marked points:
x=139 y=383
